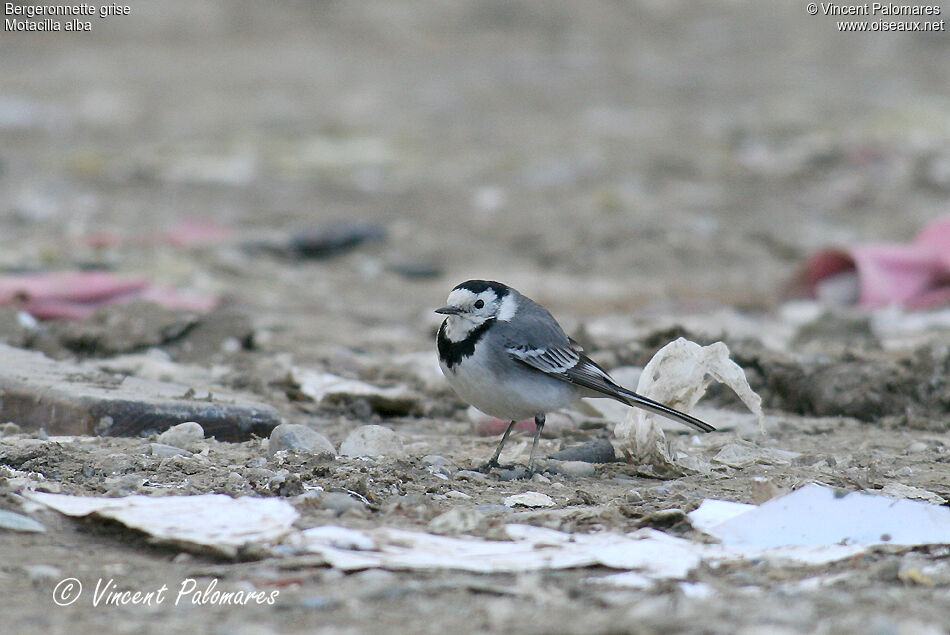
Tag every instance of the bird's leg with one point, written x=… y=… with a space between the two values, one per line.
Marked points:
x=539 y=425
x=493 y=462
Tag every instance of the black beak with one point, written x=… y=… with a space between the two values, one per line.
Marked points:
x=449 y=310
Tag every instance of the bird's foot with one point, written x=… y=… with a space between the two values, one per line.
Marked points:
x=485 y=468
x=509 y=468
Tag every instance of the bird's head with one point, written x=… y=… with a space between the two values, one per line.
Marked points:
x=475 y=302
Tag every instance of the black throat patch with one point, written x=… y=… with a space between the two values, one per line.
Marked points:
x=454 y=352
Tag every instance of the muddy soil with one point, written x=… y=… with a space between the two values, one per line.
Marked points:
x=644 y=169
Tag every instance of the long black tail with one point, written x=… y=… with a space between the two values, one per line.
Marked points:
x=633 y=399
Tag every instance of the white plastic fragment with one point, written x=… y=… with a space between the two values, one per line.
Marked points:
x=18 y=522
x=712 y=512
x=678 y=376
x=816 y=516
x=214 y=521
x=529 y=499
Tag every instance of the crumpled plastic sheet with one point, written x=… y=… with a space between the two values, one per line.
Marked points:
x=213 y=521
x=678 y=376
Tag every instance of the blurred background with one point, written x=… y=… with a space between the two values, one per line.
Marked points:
x=603 y=157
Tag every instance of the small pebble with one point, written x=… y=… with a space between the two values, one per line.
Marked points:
x=42 y=573
x=373 y=441
x=575 y=469
x=492 y=509
x=516 y=473
x=471 y=475
x=633 y=496
x=299 y=438
x=596 y=451
x=318 y=603
x=10 y=428
x=438 y=461
x=340 y=503
x=182 y=435
x=529 y=499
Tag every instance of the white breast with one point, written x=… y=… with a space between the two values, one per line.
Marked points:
x=512 y=395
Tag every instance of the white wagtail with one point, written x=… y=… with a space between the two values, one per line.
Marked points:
x=507 y=356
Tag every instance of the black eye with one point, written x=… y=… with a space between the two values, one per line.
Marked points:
x=479 y=304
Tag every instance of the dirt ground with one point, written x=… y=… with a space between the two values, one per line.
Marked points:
x=644 y=169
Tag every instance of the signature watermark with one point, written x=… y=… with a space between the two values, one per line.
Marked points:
x=107 y=592
x=881 y=16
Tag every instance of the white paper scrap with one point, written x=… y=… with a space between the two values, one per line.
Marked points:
x=215 y=521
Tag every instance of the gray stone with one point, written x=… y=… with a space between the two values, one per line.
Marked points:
x=471 y=475
x=515 y=473
x=373 y=441
x=576 y=469
x=596 y=451
x=340 y=503
x=440 y=465
x=438 y=461
x=184 y=435
x=299 y=438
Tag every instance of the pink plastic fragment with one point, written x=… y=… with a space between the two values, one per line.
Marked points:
x=915 y=276
x=76 y=295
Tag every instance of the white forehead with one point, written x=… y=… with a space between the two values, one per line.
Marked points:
x=464 y=297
